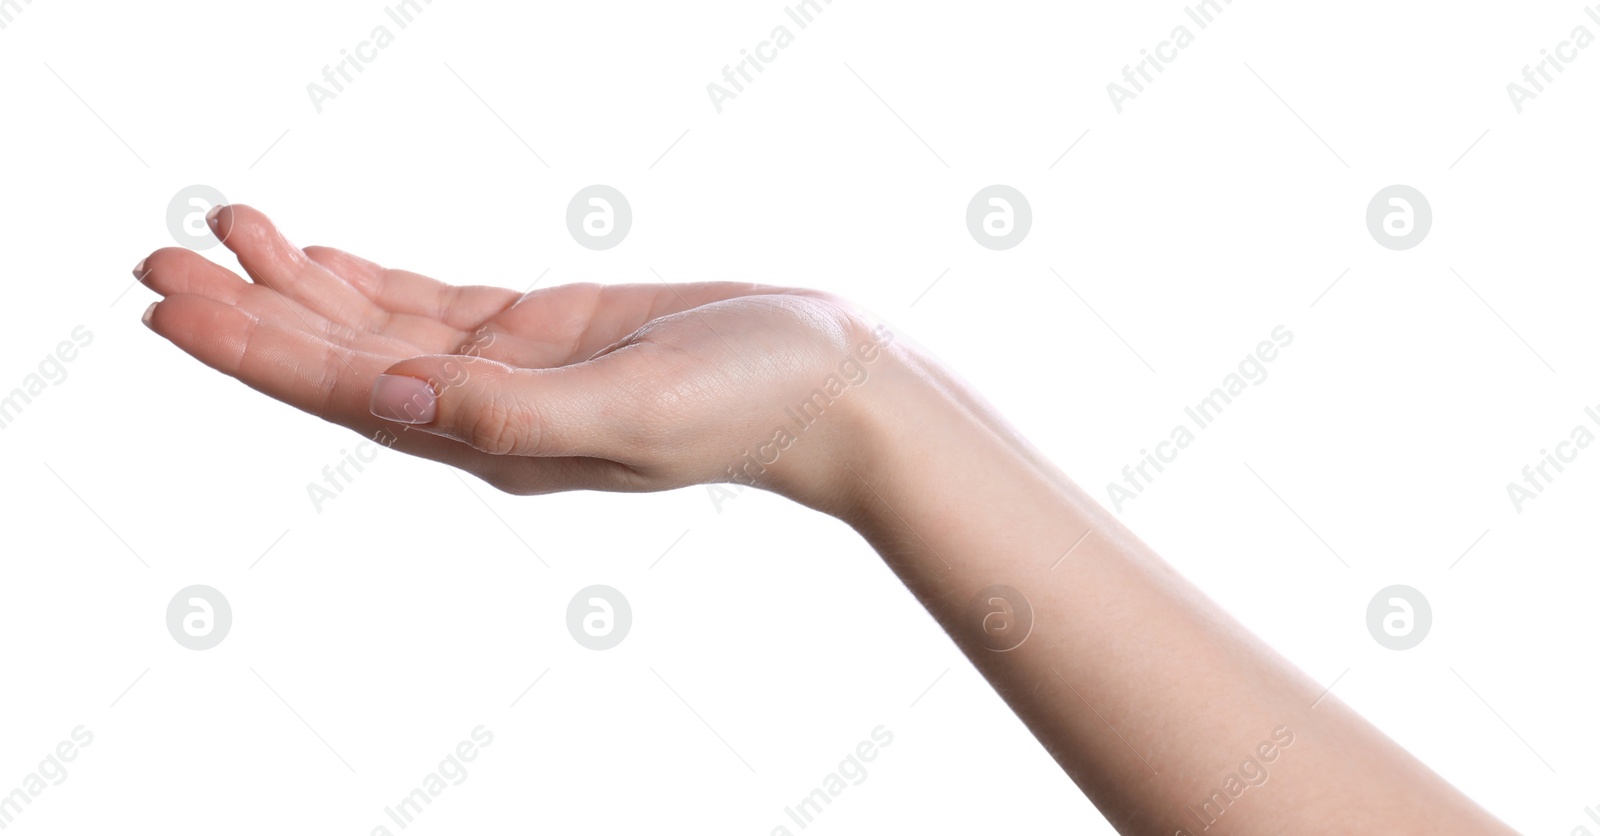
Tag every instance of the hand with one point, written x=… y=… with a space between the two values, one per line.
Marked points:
x=583 y=386
x=645 y=387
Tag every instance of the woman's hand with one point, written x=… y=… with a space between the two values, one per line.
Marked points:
x=584 y=386
x=1150 y=696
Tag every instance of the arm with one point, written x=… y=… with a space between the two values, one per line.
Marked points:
x=1146 y=693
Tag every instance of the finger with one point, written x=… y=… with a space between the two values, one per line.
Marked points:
x=298 y=368
x=416 y=308
x=177 y=270
x=333 y=384
x=585 y=318
x=367 y=277
x=355 y=270
x=413 y=294
x=174 y=270
x=589 y=409
x=272 y=261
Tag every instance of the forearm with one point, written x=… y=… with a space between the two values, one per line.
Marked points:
x=1145 y=692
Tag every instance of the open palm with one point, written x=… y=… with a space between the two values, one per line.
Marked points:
x=615 y=387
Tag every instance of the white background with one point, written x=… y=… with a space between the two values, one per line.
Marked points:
x=413 y=607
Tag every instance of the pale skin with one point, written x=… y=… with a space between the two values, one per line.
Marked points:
x=1144 y=691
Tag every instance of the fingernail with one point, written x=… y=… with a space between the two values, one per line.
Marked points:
x=211 y=217
x=149 y=313
x=396 y=397
x=138 y=269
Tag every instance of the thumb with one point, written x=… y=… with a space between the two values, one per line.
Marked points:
x=575 y=410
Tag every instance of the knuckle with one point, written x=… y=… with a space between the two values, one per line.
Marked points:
x=653 y=418
x=501 y=425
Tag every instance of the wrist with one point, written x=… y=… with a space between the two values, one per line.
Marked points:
x=929 y=465
x=899 y=415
